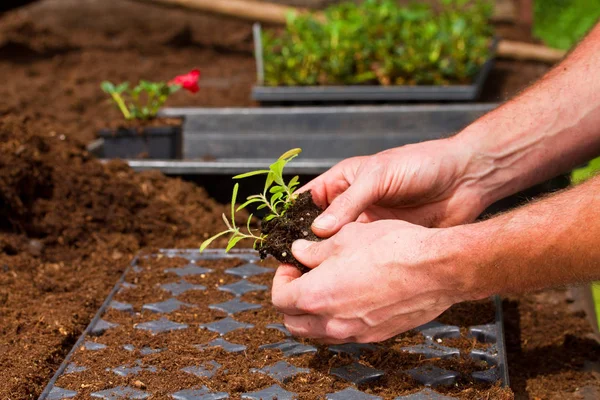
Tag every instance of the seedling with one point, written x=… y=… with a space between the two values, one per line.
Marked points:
x=145 y=99
x=381 y=42
x=277 y=196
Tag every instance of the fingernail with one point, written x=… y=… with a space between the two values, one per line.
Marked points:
x=301 y=244
x=325 y=222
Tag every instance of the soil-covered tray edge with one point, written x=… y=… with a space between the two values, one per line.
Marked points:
x=44 y=395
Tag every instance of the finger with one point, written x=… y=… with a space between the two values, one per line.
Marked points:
x=333 y=182
x=285 y=291
x=312 y=254
x=345 y=208
x=324 y=329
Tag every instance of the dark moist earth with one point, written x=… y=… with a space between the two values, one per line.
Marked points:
x=293 y=225
x=234 y=376
x=69 y=225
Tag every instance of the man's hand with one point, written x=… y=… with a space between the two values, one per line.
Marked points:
x=369 y=282
x=423 y=183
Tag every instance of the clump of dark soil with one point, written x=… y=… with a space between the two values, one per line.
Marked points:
x=293 y=225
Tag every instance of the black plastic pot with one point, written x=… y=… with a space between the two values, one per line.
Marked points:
x=155 y=142
x=363 y=93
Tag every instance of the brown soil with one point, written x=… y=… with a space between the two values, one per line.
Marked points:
x=69 y=225
x=293 y=225
x=233 y=376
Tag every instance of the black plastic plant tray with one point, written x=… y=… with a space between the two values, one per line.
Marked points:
x=228 y=141
x=234 y=140
x=160 y=324
x=363 y=93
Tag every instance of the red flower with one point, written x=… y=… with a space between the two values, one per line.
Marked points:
x=187 y=81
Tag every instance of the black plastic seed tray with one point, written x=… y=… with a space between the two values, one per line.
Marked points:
x=363 y=93
x=162 y=325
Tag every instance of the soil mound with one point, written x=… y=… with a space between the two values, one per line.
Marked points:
x=69 y=225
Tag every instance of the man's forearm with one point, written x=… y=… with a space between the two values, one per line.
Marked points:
x=551 y=242
x=548 y=129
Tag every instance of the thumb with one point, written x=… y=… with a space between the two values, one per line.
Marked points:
x=345 y=208
x=311 y=254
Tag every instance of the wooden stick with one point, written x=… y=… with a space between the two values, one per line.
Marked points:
x=527 y=51
x=248 y=10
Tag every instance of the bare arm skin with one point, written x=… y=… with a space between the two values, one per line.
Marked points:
x=552 y=242
x=547 y=130
x=550 y=128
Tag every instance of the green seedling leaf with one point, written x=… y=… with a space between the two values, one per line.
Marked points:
x=248 y=202
x=294 y=181
x=122 y=87
x=277 y=189
x=211 y=239
x=290 y=153
x=233 y=199
x=107 y=87
x=277 y=170
x=270 y=217
x=276 y=197
x=232 y=242
x=268 y=181
x=251 y=173
x=248 y=223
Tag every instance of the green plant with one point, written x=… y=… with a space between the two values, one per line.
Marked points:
x=277 y=197
x=145 y=99
x=380 y=42
x=562 y=23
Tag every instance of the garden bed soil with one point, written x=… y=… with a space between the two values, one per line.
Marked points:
x=233 y=376
x=69 y=225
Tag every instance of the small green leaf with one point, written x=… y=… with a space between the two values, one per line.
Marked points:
x=276 y=197
x=107 y=87
x=276 y=189
x=262 y=206
x=232 y=242
x=208 y=241
x=248 y=223
x=247 y=203
x=268 y=181
x=290 y=153
x=122 y=87
x=294 y=181
x=270 y=217
x=233 y=199
x=251 y=173
x=277 y=170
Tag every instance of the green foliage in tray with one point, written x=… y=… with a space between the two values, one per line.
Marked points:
x=380 y=42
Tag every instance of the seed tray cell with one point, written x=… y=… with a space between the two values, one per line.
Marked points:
x=137 y=333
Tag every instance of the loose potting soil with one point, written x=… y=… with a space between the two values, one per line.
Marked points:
x=293 y=225
x=69 y=225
